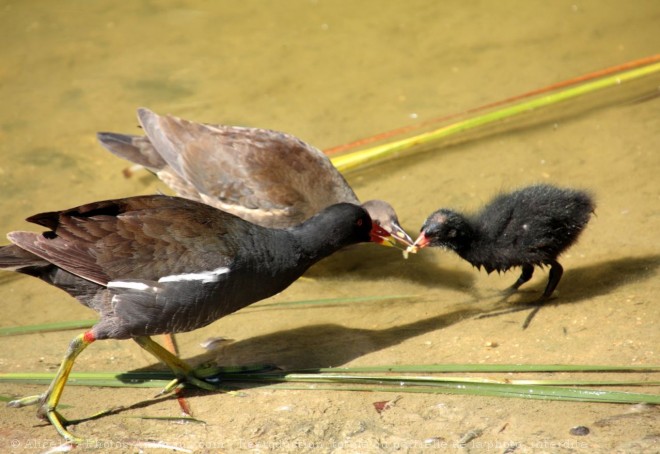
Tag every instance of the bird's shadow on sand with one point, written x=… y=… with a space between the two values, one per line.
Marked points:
x=325 y=345
x=308 y=347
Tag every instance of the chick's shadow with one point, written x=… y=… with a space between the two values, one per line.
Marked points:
x=587 y=282
x=327 y=345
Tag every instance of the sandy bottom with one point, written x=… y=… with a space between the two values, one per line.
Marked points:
x=582 y=327
x=330 y=72
x=604 y=312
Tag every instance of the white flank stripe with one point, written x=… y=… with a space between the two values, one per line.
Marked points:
x=205 y=276
x=131 y=285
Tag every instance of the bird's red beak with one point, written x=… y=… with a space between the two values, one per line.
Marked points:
x=381 y=236
x=401 y=236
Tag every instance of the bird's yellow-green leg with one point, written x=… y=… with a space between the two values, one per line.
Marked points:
x=182 y=371
x=48 y=401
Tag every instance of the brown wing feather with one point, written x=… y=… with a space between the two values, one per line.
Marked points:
x=140 y=150
x=265 y=176
x=137 y=149
x=134 y=238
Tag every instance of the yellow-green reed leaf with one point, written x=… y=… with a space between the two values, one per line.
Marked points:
x=331 y=301
x=85 y=324
x=484 y=387
x=110 y=379
x=443 y=379
x=505 y=368
x=179 y=419
x=360 y=158
x=541 y=393
x=46 y=327
x=434 y=380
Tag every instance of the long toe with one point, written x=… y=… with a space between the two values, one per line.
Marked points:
x=204 y=377
x=60 y=423
x=183 y=372
x=26 y=401
x=210 y=384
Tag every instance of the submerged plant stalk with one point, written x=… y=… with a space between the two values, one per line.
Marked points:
x=361 y=158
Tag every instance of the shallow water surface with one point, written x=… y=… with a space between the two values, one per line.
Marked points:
x=332 y=72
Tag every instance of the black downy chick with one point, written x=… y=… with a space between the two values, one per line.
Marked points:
x=525 y=228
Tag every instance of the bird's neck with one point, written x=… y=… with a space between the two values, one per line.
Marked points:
x=317 y=239
x=314 y=246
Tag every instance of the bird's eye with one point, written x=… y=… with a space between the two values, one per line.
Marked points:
x=359 y=222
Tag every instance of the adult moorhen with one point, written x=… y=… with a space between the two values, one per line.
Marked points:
x=267 y=177
x=156 y=264
x=528 y=227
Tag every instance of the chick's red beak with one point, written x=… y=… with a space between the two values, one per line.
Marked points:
x=381 y=236
x=422 y=241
